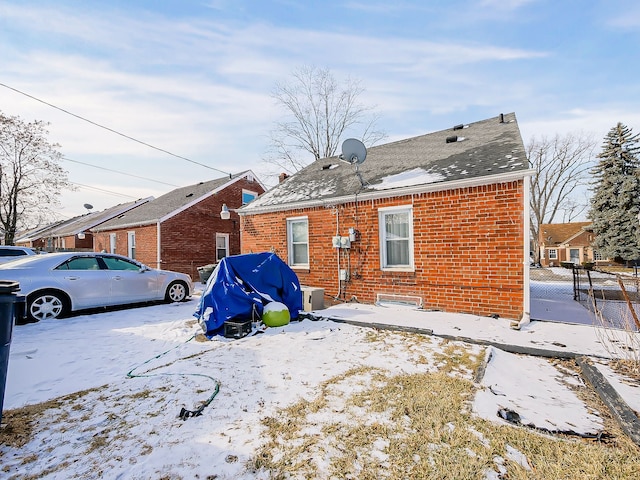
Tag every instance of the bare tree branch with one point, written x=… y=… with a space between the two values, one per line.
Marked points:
x=562 y=164
x=318 y=113
x=31 y=178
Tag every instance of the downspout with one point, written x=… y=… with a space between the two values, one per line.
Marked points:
x=526 y=304
x=158 y=243
x=338 y=250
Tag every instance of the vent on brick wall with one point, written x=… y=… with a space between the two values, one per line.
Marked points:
x=394 y=299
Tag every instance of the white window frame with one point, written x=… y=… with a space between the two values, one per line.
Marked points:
x=248 y=192
x=553 y=253
x=290 y=243
x=225 y=237
x=112 y=243
x=131 y=245
x=382 y=213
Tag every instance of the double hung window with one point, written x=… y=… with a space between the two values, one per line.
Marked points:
x=396 y=238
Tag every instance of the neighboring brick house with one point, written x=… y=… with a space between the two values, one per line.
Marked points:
x=182 y=229
x=566 y=242
x=75 y=233
x=440 y=219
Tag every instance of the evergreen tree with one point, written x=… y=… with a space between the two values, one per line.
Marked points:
x=615 y=204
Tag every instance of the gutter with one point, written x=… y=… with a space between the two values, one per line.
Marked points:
x=379 y=194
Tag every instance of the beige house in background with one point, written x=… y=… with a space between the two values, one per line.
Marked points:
x=566 y=242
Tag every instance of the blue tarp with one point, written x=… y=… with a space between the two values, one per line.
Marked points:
x=241 y=285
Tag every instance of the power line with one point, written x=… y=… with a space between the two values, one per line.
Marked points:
x=117 y=171
x=103 y=190
x=114 y=131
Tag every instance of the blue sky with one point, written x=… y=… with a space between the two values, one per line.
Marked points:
x=195 y=78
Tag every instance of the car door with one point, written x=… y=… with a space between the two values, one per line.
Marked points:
x=86 y=283
x=129 y=282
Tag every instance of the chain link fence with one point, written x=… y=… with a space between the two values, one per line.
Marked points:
x=609 y=299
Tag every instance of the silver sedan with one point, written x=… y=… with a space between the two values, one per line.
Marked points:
x=59 y=283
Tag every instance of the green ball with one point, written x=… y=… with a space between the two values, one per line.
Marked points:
x=275 y=314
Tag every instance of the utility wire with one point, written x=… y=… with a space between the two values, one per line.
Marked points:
x=103 y=190
x=115 y=131
x=117 y=171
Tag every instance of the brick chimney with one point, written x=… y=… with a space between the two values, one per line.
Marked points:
x=282 y=177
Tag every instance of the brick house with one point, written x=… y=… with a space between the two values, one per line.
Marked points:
x=439 y=220
x=182 y=229
x=75 y=233
x=566 y=242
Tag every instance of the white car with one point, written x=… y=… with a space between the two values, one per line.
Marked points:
x=59 y=283
x=11 y=252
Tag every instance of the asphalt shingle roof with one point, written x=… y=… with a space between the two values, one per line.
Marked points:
x=485 y=148
x=154 y=211
x=80 y=223
x=559 y=233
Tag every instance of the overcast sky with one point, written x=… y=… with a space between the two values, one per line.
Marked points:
x=195 y=77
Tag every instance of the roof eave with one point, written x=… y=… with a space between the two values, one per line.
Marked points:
x=396 y=192
x=125 y=225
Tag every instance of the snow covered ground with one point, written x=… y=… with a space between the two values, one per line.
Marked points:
x=89 y=356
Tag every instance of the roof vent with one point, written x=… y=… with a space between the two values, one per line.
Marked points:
x=502 y=118
x=330 y=166
x=452 y=139
x=189 y=195
x=458 y=127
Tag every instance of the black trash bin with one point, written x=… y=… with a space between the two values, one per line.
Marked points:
x=11 y=305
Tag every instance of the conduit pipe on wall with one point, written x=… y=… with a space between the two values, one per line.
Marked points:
x=338 y=251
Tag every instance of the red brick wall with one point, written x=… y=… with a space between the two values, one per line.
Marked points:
x=468 y=249
x=146 y=243
x=73 y=242
x=188 y=238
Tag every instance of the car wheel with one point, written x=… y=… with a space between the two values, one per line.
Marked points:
x=176 y=292
x=46 y=305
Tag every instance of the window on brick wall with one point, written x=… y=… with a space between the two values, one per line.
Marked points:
x=131 y=245
x=298 y=241
x=248 y=195
x=112 y=243
x=396 y=238
x=553 y=254
x=222 y=246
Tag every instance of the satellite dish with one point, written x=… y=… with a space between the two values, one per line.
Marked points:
x=353 y=151
x=88 y=206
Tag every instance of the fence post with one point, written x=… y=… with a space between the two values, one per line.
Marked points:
x=591 y=294
x=576 y=284
x=629 y=304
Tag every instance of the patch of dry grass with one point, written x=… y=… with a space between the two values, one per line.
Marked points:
x=419 y=426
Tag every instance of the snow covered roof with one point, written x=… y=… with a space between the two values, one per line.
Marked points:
x=484 y=152
x=170 y=203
